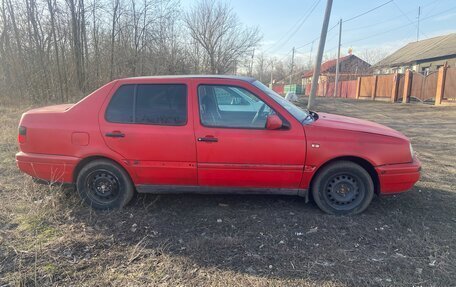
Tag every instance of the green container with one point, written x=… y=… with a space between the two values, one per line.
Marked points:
x=297 y=89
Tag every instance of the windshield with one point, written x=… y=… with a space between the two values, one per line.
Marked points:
x=295 y=111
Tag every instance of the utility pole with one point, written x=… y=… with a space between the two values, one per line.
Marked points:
x=310 y=55
x=418 y=26
x=272 y=73
x=336 y=82
x=251 y=63
x=292 y=64
x=321 y=48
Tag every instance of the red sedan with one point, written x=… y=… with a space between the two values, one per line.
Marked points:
x=211 y=134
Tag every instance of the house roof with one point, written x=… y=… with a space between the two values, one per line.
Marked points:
x=328 y=65
x=421 y=50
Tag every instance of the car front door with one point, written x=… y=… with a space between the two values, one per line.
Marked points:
x=234 y=149
x=149 y=125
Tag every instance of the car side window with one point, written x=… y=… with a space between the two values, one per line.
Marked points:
x=231 y=107
x=226 y=96
x=161 y=104
x=157 y=104
x=120 y=108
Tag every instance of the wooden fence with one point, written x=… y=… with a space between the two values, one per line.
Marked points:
x=347 y=89
x=378 y=87
x=449 y=89
x=438 y=87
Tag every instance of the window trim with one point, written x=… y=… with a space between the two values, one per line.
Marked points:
x=285 y=126
x=135 y=92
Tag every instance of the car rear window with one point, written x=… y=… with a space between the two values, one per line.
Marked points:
x=159 y=104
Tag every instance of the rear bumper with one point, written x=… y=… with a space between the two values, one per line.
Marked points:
x=51 y=168
x=396 y=178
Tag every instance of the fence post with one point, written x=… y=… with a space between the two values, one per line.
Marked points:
x=407 y=86
x=374 y=87
x=440 y=85
x=358 y=87
x=395 y=90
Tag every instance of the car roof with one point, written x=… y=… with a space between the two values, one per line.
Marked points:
x=230 y=77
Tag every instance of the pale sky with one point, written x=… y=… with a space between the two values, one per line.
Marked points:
x=283 y=24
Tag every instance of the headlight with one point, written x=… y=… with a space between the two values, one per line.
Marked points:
x=412 y=152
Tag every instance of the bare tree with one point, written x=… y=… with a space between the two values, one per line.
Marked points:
x=374 y=55
x=261 y=63
x=36 y=34
x=96 y=41
x=115 y=16
x=56 y=50
x=216 y=28
x=51 y=8
x=77 y=45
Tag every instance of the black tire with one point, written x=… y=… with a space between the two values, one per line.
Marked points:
x=103 y=184
x=343 y=187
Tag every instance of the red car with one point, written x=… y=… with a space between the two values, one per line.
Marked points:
x=211 y=134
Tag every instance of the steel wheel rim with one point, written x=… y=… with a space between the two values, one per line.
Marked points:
x=103 y=186
x=344 y=191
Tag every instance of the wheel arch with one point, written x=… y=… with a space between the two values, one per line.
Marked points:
x=91 y=158
x=355 y=159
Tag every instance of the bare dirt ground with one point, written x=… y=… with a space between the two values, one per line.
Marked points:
x=48 y=238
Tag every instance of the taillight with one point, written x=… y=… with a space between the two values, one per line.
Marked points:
x=22 y=134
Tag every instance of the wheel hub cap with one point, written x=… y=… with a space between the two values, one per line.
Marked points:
x=103 y=186
x=342 y=191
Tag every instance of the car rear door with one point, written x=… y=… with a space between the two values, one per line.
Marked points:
x=233 y=152
x=149 y=124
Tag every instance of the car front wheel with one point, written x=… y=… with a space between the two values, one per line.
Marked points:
x=103 y=184
x=343 y=187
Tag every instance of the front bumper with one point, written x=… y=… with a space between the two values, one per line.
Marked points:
x=51 y=168
x=396 y=178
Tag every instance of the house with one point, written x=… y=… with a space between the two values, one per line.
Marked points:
x=350 y=66
x=423 y=56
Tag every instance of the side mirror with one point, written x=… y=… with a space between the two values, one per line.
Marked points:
x=273 y=122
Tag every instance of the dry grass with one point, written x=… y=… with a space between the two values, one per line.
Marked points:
x=47 y=237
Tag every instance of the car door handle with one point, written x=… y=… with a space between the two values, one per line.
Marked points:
x=115 y=135
x=208 y=139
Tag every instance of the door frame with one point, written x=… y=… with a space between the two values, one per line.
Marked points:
x=295 y=131
x=135 y=163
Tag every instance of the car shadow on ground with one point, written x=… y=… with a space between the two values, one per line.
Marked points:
x=397 y=238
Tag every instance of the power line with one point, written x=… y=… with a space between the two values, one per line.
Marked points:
x=376 y=24
x=434 y=6
x=307 y=17
x=368 y=11
x=402 y=26
x=395 y=17
x=332 y=49
x=279 y=44
x=332 y=38
x=285 y=56
x=378 y=34
x=316 y=38
x=438 y=14
x=357 y=16
x=407 y=17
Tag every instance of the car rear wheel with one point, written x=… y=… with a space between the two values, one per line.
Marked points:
x=343 y=187
x=103 y=184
